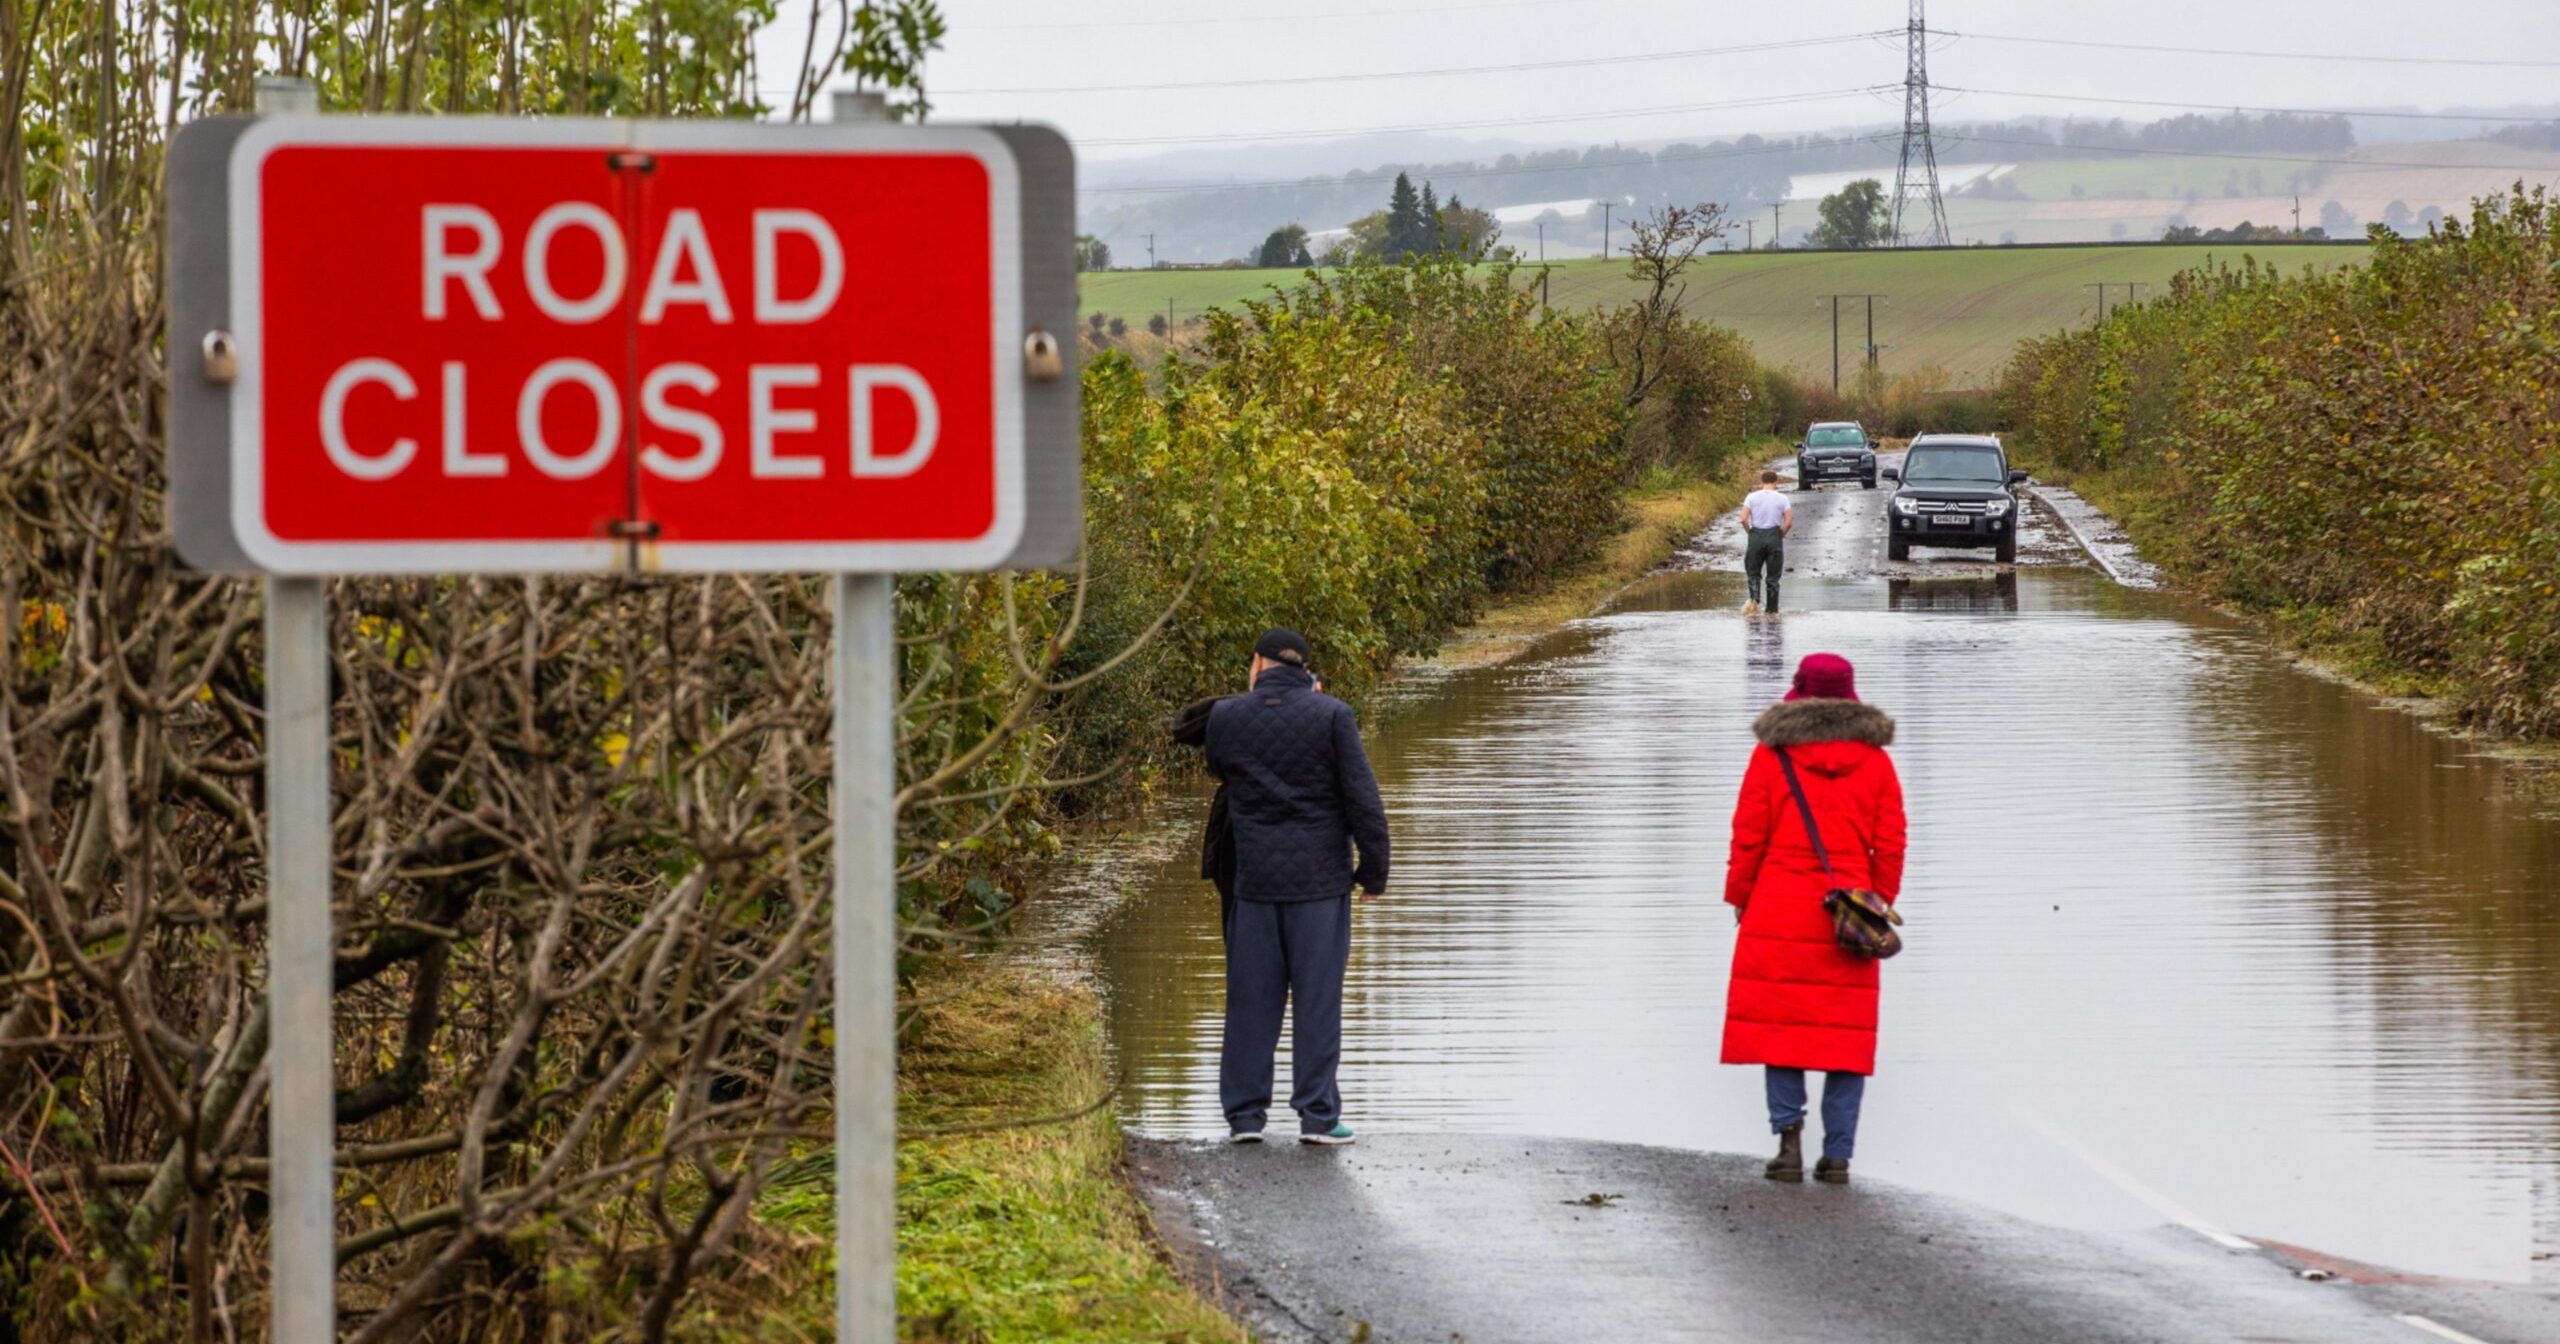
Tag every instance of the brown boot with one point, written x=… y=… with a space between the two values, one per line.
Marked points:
x=1788 y=1165
x=1832 y=1171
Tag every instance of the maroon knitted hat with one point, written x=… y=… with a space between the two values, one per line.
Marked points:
x=1824 y=676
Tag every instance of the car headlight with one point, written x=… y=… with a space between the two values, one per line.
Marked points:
x=1995 y=507
x=1904 y=506
x=1864 y=458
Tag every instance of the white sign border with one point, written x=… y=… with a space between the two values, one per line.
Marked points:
x=604 y=554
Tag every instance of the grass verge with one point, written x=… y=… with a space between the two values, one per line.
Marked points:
x=1664 y=512
x=1015 y=1224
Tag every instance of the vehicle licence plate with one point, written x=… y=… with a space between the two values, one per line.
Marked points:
x=1956 y=521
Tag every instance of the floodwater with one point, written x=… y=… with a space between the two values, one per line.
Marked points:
x=2194 y=935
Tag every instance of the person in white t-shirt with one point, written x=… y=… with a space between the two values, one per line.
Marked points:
x=1767 y=518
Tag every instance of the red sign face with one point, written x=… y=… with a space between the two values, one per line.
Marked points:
x=733 y=348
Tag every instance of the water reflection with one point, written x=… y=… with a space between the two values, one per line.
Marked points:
x=1971 y=593
x=2275 y=952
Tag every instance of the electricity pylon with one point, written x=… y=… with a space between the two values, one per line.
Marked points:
x=1917 y=147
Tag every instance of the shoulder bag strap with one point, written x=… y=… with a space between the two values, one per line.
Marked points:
x=1805 y=810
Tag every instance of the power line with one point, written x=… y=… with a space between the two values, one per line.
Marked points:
x=1280 y=80
x=2541 y=170
x=1662 y=110
x=2240 y=107
x=1263 y=19
x=1524 y=169
x=2241 y=51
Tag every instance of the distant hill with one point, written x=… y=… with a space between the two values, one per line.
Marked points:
x=2073 y=180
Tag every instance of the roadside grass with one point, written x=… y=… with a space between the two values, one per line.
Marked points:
x=1665 y=510
x=1962 y=309
x=1010 y=1233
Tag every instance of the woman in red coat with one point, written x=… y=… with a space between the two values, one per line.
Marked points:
x=1797 y=1001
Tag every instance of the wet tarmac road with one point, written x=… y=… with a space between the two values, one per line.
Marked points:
x=2197 y=938
x=1498 y=1240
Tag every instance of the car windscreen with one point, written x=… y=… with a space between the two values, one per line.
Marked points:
x=1835 y=436
x=1954 y=465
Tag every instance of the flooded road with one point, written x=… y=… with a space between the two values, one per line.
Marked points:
x=2195 y=936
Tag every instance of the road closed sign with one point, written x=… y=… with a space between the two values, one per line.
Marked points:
x=461 y=345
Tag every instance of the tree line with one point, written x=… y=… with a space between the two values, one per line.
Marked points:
x=1740 y=170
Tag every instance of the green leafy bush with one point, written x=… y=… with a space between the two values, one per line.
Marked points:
x=1530 y=389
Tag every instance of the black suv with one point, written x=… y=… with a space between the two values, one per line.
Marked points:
x=1837 y=449
x=1957 y=490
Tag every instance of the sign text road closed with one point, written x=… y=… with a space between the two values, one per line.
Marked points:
x=468 y=345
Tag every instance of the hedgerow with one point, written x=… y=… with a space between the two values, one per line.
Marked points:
x=2373 y=451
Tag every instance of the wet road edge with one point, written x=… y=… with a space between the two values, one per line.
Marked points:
x=1493 y=1238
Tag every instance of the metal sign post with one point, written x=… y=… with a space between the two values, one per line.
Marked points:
x=866 y=958
x=866 y=934
x=896 y=403
x=301 y=954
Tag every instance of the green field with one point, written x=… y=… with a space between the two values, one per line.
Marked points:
x=1962 y=310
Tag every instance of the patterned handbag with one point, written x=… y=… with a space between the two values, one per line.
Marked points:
x=1861 y=920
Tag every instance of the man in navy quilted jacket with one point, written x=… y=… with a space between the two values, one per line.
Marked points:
x=1300 y=797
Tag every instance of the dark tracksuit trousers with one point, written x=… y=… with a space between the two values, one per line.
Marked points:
x=1763 y=557
x=1277 y=952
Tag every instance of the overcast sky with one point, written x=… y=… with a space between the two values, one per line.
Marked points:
x=998 y=48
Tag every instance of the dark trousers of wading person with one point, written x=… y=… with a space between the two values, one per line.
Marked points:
x=1300 y=797
x=1764 y=556
x=1285 y=955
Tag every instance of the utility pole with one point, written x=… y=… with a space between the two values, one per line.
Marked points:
x=1835 y=299
x=1605 y=208
x=2297 y=216
x=1919 y=148
x=1542 y=254
x=1777 y=225
x=1168 y=317
x=2103 y=286
x=1151 y=251
x=1747 y=244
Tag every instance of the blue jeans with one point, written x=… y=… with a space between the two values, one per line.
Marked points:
x=1841 y=1093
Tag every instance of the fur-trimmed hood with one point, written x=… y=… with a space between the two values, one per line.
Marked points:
x=1796 y=723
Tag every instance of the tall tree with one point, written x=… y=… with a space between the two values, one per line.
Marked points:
x=1287 y=246
x=1367 y=237
x=1468 y=231
x=1092 y=254
x=1665 y=241
x=1854 y=216
x=1405 y=221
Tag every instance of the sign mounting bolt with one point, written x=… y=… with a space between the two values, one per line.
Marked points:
x=221 y=357
x=1041 y=361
